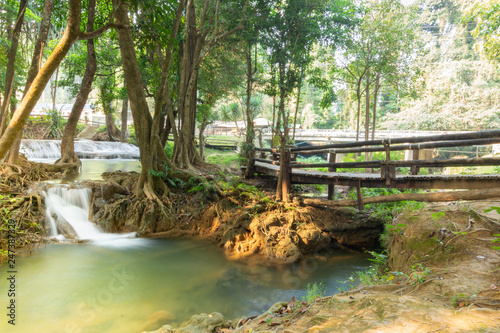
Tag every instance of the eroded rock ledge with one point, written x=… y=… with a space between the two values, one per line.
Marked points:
x=242 y=226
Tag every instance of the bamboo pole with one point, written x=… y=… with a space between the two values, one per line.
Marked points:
x=414 y=139
x=422 y=197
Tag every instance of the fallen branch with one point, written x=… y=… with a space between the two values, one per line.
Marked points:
x=423 y=197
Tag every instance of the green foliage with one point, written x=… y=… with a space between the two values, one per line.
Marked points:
x=101 y=129
x=497 y=236
x=227 y=158
x=390 y=208
x=487 y=16
x=169 y=176
x=314 y=291
x=132 y=137
x=437 y=216
x=377 y=273
x=80 y=127
x=169 y=149
x=56 y=125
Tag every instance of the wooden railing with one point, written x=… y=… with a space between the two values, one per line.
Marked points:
x=387 y=166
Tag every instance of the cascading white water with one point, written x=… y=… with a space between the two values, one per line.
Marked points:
x=51 y=149
x=71 y=205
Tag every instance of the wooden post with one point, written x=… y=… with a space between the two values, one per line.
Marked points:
x=250 y=170
x=286 y=184
x=360 y=197
x=331 y=188
x=414 y=170
x=387 y=171
x=274 y=155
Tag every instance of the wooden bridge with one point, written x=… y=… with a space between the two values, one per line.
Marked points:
x=347 y=135
x=393 y=173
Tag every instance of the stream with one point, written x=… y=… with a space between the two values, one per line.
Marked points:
x=119 y=283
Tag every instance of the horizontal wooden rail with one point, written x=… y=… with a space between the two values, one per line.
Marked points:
x=417 y=139
x=367 y=164
x=403 y=164
x=284 y=166
x=429 y=145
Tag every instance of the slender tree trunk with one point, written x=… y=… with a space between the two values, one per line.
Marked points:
x=274 y=127
x=68 y=140
x=36 y=61
x=123 y=136
x=375 y=98
x=358 y=98
x=11 y=59
x=250 y=133
x=201 y=137
x=236 y=124
x=29 y=101
x=367 y=106
x=152 y=154
x=296 y=109
x=54 y=89
x=283 y=138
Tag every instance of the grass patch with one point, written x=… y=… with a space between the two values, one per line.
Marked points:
x=222 y=157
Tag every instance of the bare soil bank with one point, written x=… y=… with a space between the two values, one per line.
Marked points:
x=238 y=220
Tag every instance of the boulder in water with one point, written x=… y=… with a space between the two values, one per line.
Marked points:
x=64 y=228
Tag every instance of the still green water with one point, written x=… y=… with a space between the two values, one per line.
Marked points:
x=141 y=284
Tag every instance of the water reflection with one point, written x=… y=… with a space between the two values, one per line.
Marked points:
x=65 y=288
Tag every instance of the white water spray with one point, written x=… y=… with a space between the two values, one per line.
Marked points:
x=51 y=149
x=72 y=205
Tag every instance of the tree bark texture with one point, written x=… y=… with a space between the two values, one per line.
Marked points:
x=68 y=140
x=152 y=154
x=185 y=154
x=375 y=98
x=36 y=61
x=367 y=106
x=250 y=133
x=123 y=132
x=11 y=60
x=29 y=101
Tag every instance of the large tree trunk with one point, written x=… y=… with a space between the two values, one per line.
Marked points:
x=123 y=132
x=36 y=61
x=113 y=132
x=152 y=154
x=68 y=140
x=11 y=59
x=185 y=154
x=29 y=101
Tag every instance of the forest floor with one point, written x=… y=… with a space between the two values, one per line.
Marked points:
x=441 y=274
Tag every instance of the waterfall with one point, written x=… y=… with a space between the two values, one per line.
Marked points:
x=51 y=149
x=67 y=214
